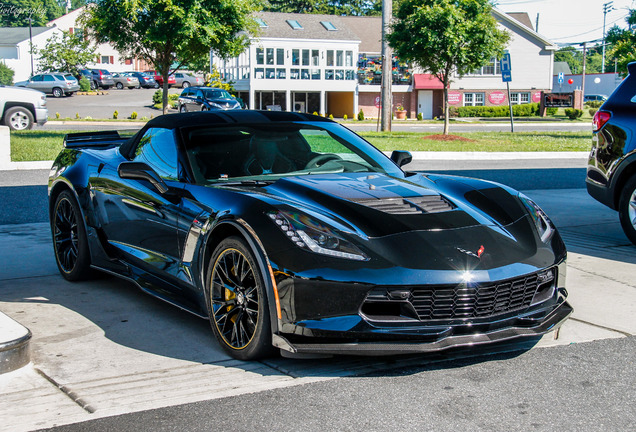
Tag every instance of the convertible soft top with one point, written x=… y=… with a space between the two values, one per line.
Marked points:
x=235 y=116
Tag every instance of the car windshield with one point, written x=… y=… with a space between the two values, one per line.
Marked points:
x=216 y=94
x=267 y=152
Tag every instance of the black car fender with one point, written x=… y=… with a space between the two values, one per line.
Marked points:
x=215 y=230
x=625 y=169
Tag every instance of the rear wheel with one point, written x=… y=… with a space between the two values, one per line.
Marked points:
x=186 y=84
x=93 y=85
x=70 y=242
x=627 y=209
x=119 y=85
x=237 y=302
x=183 y=109
x=105 y=87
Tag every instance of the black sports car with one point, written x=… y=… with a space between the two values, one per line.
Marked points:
x=290 y=231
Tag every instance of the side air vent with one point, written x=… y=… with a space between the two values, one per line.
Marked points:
x=406 y=206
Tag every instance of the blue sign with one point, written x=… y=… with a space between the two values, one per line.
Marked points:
x=561 y=78
x=506 y=67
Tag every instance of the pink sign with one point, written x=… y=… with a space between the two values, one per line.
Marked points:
x=536 y=96
x=497 y=98
x=454 y=98
x=377 y=101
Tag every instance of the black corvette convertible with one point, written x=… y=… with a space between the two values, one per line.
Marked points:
x=289 y=231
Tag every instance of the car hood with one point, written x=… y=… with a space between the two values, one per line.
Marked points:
x=221 y=100
x=378 y=205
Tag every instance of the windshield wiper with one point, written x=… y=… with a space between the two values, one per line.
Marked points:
x=242 y=182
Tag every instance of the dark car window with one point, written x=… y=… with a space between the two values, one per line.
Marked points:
x=49 y=78
x=158 y=149
x=217 y=94
x=60 y=77
x=37 y=78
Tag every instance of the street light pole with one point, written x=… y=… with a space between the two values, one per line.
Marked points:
x=31 y=44
x=607 y=7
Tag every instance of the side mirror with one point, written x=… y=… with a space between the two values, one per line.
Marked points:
x=401 y=157
x=142 y=171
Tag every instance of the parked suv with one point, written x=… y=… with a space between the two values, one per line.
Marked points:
x=98 y=78
x=206 y=98
x=58 y=84
x=186 y=80
x=145 y=80
x=611 y=170
x=21 y=107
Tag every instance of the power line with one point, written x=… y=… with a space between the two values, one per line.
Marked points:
x=591 y=31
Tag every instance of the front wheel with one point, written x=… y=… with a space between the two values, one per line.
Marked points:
x=237 y=302
x=70 y=243
x=185 y=84
x=627 y=209
x=18 y=118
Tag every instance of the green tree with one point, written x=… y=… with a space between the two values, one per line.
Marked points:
x=332 y=7
x=572 y=57
x=16 y=13
x=447 y=37
x=70 y=53
x=165 y=31
x=623 y=43
x=6 y=75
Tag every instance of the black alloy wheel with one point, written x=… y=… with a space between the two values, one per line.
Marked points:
x=627 y=209
x=237 y=304
x=69 y=239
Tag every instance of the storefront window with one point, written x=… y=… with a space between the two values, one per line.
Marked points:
x=296 y=57
x=340 y=58
x=315 y=58
x=270 y=56
x=260 y=59
x=280 y=56
x=330 y=58
x=305 y=57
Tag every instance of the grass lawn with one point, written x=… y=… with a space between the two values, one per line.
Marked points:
x=37 y=145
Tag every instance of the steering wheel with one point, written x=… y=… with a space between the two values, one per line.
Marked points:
x=321 y=159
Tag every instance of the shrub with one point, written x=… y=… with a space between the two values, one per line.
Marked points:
x=115 y=114
x=57 y=115
x=592 y=111
x=6 y=75
x=523 y=110
x=345 y=117
x=133 y=116
x=77 y=116
x=157 y=97
x=330 y=116
x=573 y=113
x=552 y=111
x=420 y=116
x=361 y=115
x=85 y=84
x=593 y=104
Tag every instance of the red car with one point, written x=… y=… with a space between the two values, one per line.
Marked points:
x=159 y=79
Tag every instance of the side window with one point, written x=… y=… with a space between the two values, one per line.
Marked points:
x=37 y=78
x=158 y=149
x=49 y=78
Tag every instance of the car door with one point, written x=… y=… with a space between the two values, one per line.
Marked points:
x=138 y=221
x=196 y=101
x=36 y=82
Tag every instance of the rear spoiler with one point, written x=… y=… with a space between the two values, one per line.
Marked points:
x=93 y=139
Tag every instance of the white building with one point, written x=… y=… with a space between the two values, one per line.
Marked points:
x=15 y=48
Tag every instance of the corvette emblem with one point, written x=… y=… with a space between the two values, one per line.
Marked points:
x=477 y=254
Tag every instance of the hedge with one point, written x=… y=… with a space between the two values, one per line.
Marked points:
x=523 y=110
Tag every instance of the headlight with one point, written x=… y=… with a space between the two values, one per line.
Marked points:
x=541 y=220
x=307 y=233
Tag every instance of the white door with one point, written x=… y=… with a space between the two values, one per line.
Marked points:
x=425 y=103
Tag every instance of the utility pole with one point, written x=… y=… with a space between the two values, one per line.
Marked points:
x=387 y=67
x=583 y=74
x=536 y=27
x=607 y=7
x=31 y=43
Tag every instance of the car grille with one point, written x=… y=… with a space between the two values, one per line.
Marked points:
x=431 y=303
x=414 y=205
x=446 y=302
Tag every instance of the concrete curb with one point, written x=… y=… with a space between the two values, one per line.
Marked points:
x=15 y=348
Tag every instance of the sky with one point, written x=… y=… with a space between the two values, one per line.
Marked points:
x=570 y=21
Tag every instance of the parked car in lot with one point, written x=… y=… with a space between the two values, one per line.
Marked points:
x=595 y=98
x=186 y=80
x=206 y=98
x=159 y=79
x=145 y=80
x=58 y=84
x=98 y=78
x=21 y=107
x=289 y=232
x=123 y=80
x=611 y=169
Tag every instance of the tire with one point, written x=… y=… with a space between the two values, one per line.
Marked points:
x=94 y=85
x=70 y=243
x=204 y=108
x=627 y=209
x=69 y=93
x=185 y=84
x=183 y=109
x=105 y=87
x=156 y=85
x=57 y=92
x=119 y=86
x=18 y=118
x=237 y=302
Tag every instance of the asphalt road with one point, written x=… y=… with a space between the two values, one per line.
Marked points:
x=582 y=387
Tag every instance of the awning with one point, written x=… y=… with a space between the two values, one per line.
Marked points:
x=427 y=82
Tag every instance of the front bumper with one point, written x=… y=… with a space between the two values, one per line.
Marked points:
x=531 y=325
x=41 y=116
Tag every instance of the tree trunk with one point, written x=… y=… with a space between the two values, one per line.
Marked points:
x=446 y=122
x=164 y=73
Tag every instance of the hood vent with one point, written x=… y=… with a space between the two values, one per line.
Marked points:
x=407 y=206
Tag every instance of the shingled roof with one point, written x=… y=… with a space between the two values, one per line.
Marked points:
x=15 y=35
x=277 y=27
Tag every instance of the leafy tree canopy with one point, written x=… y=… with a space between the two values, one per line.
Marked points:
x=447 y=37
x=6 y=75
x=623 y=43
x=68 y=53
x=164 y=31
x=330 y=7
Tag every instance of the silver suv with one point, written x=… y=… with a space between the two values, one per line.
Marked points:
x=20 y=108
x=58 y=84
